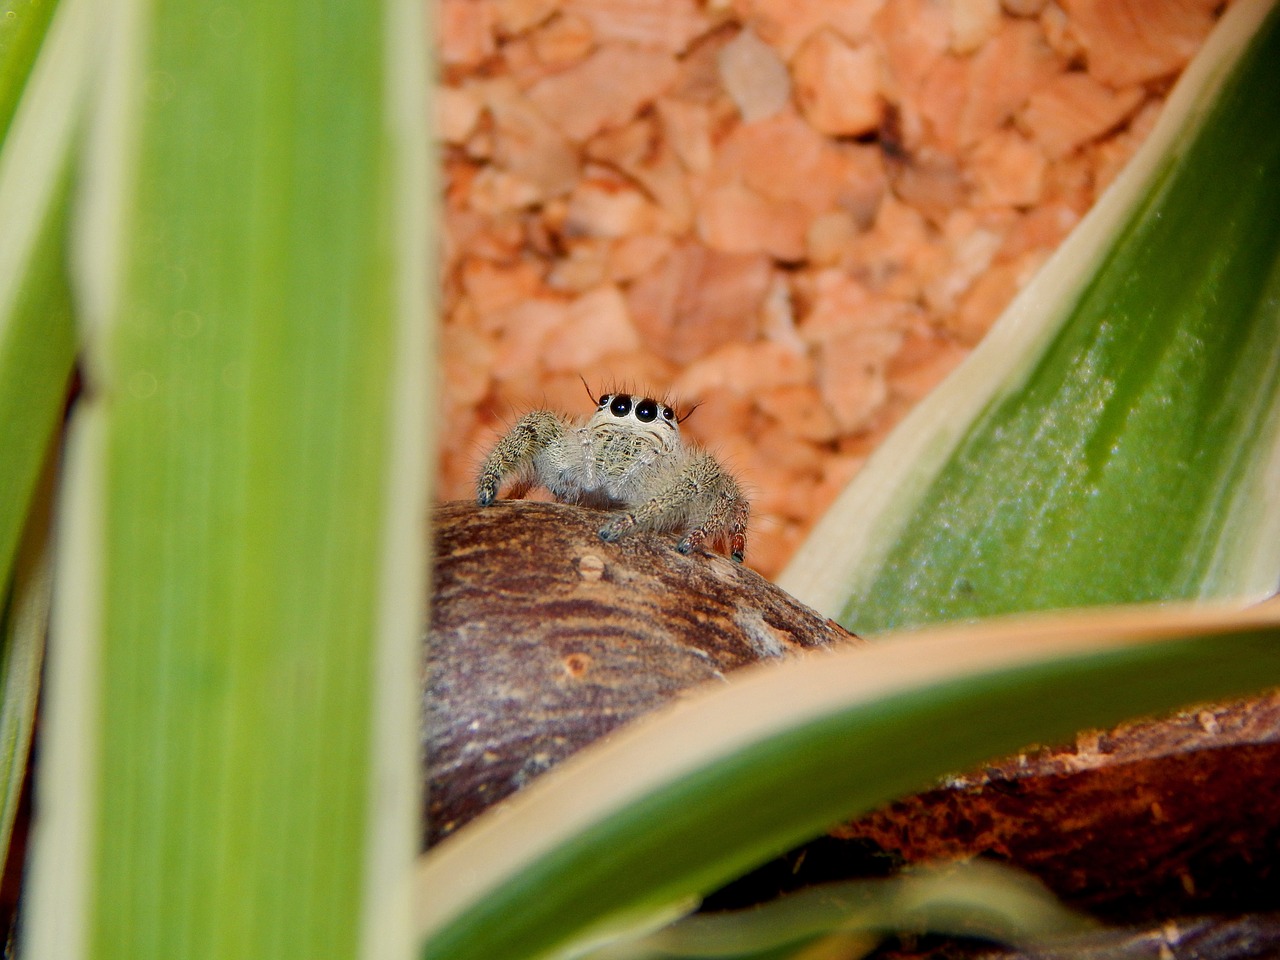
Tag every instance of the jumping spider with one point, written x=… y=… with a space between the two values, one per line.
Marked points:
x=627 y=457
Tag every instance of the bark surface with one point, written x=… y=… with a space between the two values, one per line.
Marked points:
x=543 y=638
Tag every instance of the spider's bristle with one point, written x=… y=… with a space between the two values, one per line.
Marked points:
x=681 y=418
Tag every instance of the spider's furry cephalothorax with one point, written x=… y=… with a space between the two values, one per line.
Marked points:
x=628 y=457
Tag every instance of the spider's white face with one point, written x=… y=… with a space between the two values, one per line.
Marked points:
x=638 y=414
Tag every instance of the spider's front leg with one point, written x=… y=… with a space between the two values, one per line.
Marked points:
x=725 y=518
x=653 y=513
x=702 y=492
x=515 y=452
x=616 y=527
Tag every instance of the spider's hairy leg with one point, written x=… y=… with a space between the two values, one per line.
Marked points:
x=726 y=518
x=700 y=492
x=672 y=499
x=726 y=515
x=515 y=452
x=616 y=527
x=649 y=511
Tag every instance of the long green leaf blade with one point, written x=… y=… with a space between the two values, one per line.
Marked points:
x=236 y=647
x=687 y=800
x=23 y=630
x=36 y=332
x=23 y=25
x=1117 y=436
x=974 y=898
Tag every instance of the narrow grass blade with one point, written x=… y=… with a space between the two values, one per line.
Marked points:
x=232 y=769
x=36 y=336
x=1116 y=437
x=678 y=804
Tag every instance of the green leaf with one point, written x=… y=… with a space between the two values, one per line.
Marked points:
x=669 y=808
x=23 y=24
x=974 y=898
x=22 y=641
x=232 y=764
x=36 y=336
x=1116 y=437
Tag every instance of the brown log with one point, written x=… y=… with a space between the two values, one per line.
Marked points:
x=544 y=638
x=1201 y=938
x=1152 y=820
x=1252 y=937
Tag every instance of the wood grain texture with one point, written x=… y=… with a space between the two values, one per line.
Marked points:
x=1150 y=820
x=1253 y=937
x=1149 y=826
x=544 y=638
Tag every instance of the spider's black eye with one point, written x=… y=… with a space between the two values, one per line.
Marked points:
x=668 y=413
x=621 y=405
x=646 y=410
x=604 y=400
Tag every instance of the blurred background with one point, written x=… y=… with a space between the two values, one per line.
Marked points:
x=800 y=215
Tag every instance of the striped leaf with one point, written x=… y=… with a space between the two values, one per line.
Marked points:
x=1116 y=437
x=231 y=765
